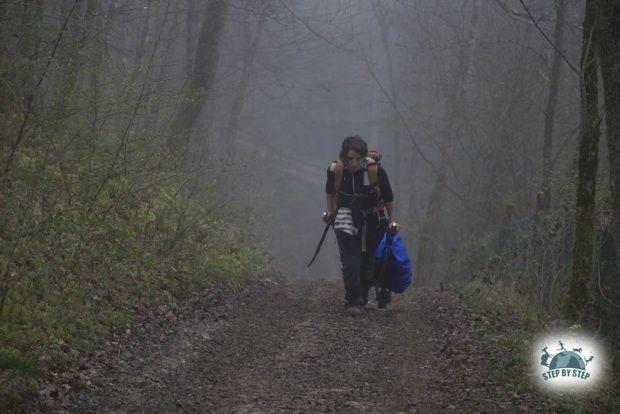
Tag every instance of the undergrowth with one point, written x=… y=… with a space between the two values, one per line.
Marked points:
x=84 y=244
x=516 y=322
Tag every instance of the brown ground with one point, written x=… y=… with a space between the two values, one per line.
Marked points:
x=288 y=347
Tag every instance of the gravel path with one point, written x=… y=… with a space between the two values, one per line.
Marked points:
x=288 y=347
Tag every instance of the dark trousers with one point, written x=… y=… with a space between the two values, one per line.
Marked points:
x=358 y=267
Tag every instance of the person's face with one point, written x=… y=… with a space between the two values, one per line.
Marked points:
x=353 y=160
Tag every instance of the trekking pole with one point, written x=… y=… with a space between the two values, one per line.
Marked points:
x=318 y=248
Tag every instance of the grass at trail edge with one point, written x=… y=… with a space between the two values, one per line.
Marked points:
x=73 y=270
x=515 y=323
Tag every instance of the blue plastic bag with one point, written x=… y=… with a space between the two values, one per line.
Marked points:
x=396 y=274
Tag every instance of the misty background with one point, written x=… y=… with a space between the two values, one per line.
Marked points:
x=474 y=105
x=452 y=93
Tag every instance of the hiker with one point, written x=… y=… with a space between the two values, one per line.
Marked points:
x=360 y=203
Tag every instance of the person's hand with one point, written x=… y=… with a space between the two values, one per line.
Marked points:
x=327 y=215
x=393 y=228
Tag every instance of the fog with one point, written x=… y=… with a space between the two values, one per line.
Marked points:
x=163 y=177
x=452 y=93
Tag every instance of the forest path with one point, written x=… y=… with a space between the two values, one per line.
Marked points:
x=292 y=349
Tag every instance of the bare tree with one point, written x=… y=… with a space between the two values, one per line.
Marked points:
x=577 y=295
x=609 y=56
x=381 y=13
x=74 y=59
x=189 y=40
x=197 y=90
x=552 y=99
x=427 y=252
x=241 y=89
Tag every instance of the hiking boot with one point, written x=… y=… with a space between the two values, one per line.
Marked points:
x=353 y=310
x=384 y=297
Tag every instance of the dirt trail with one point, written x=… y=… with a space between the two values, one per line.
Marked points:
x=290 y=348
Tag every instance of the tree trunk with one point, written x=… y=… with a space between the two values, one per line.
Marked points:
x=241 y=92
x=96 y=52
x=554 y=81
x=18 y=77
x=427 y=251
x=74 y=58
x=205 y=65
x=143 y=39
x=608 y=36
x=577 y=296
x=609 y=54
x=380 y=13
x=189 y=39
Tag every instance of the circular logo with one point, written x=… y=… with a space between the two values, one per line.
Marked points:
x=567 y=359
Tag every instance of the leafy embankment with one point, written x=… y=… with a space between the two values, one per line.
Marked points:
x=517 y=275
x=88 y=242
x=513 y=324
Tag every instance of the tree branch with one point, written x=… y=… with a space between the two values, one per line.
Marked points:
x=573 y=68
x=30 y=97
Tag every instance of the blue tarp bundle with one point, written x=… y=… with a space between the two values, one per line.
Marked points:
x=397 y=272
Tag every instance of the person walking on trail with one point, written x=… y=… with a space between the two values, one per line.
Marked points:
x=360 y=203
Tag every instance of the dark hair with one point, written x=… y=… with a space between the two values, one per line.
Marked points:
x=355 y=143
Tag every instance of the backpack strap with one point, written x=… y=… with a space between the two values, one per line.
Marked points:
x=373 y=175
x=337 y=167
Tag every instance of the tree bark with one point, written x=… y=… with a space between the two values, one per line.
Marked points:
x=552 y=99
x=609 y=56
x=196 y=92
x=577 y=296
x=609 y=52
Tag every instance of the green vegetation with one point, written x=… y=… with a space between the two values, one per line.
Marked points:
x=97 y=221
x=516 y=324
x=76 y=260
x=517 y=276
